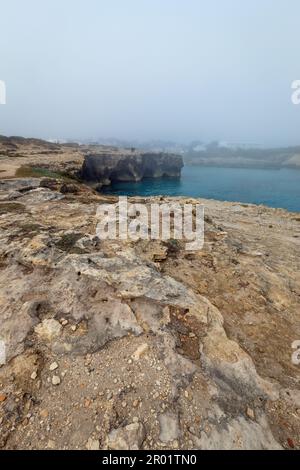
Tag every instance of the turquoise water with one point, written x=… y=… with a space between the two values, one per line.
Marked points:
x=275 y=188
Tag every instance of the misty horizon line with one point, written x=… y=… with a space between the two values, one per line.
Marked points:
x=138 y=142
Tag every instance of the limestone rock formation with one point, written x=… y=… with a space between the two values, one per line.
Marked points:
x=103 y=169
x=128 y=344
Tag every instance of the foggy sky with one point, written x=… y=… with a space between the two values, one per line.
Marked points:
x=151 y=69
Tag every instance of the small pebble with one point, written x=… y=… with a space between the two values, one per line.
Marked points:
x=44 y=413
x=250 y=413
x=55 y=380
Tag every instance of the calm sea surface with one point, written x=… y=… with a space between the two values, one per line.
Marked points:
x=275 y=188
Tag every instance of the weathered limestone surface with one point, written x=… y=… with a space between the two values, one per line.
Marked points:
x=140 y=344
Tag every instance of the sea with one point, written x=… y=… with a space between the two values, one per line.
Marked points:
x=271 y=187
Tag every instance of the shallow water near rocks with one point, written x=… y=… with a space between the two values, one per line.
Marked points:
x=271 y=187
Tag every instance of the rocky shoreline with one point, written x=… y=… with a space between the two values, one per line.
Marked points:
x=141 y=344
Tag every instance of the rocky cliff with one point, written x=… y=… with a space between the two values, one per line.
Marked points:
x=141 y=344
x=131 y=166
